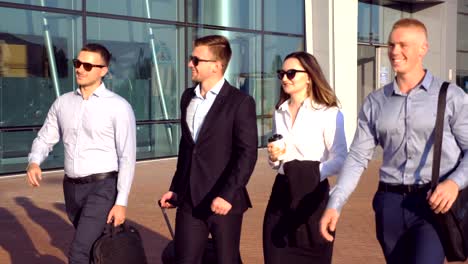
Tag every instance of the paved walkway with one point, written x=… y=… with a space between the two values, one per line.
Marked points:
x=34 y=227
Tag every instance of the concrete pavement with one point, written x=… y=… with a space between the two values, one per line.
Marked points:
x=35 y=229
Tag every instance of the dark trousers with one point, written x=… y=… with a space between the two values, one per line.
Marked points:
x=193 y=228
x=87 y=206
x=292 y=235
x=404 y=229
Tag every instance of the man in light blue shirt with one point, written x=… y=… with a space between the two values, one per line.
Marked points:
x=400 y=118
x=97 y=128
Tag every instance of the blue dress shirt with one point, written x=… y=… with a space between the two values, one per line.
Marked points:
x=403 y=125
x=98 y=135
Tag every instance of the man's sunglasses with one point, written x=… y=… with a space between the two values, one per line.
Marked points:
x=195 y=60
x=87 y=66
x=289 y=73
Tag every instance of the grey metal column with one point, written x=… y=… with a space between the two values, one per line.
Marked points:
x=50 y=53
x=158 y=76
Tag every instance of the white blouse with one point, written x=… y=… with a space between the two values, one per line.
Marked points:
x=317 y=134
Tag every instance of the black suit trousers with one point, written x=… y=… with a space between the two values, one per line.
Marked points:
x=87 y=206
x=192 y=230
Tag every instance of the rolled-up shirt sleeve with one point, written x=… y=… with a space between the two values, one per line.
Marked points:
x=48 y=136
x=125 y=137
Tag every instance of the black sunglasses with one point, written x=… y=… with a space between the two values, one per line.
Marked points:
x=289 y=73
x=195 y=60
x=87 y=66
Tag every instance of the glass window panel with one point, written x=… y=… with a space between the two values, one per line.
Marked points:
x=276 y=49
x=146 y=69
x=154 y=140
x=244 y=70
x=462 y=32
x=227 y=13
x=166 y=10
x=68 y=4
x=28 y=83
x=284 y=16
x=462 y=6
x=364 y=22
x=384 y=17
x=14 y=149
x=375 y=21
x=267 y=127
x=462 y=70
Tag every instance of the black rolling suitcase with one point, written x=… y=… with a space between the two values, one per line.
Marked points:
x=168 y=254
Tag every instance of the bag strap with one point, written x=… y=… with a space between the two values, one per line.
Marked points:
x=438 y=132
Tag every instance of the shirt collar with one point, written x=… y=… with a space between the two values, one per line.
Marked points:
x=214 y=91
x=307 y=103
x=424 y=84
x=101 y=91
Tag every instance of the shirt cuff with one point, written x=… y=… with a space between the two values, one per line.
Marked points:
x=122 y=199
x=335 y=202
x=459 y=181
x=274 y=164
x=34 y=158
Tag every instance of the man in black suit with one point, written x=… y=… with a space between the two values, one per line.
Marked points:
x=217 y=154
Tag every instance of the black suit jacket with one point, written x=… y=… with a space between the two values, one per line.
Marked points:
x=221 y=162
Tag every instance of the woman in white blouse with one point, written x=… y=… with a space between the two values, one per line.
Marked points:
x=312 y=126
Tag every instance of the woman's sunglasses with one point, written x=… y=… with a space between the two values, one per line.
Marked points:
x=195 y=60
x=87 y=66
x=289 y=73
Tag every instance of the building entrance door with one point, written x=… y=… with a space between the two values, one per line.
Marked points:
x=373 y=69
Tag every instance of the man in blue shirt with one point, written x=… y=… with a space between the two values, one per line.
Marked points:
x=97 y=128
x=400 y=118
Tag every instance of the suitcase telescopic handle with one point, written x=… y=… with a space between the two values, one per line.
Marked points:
x=166 y=218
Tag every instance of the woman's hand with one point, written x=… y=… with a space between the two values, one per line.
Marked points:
x=274 y=152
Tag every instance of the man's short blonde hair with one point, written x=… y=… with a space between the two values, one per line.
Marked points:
x=410 y=23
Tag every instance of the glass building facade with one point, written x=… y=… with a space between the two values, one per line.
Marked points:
x=150 y=41
x=462 y=44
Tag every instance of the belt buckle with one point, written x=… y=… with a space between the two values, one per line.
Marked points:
x=410 y=188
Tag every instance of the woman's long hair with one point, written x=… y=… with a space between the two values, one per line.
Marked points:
x=319 y=89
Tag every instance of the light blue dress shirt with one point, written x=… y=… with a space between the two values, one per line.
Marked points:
x=198 y=107
x=98 y=135
x=403 y=125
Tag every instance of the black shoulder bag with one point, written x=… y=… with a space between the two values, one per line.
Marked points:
x=452 y=227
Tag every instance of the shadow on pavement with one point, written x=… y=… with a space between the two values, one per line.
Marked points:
x=16 y=241
x=59 y=230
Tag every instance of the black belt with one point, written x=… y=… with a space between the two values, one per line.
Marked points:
x=92 y=178
x=403 y=188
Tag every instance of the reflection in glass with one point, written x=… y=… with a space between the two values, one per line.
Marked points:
x=156 y=9
x=14 y=149
x=284 y=16
x=152 y=141
x=462 y=32
x=68 y=4
x=462 y=70
x=25 y=63
x=376 y=20
x=276 y=49
x=267 y=127
x=145 y=66
x=244 y=70
x=227 y=13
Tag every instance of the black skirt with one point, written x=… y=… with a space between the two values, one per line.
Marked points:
x=291 y=232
